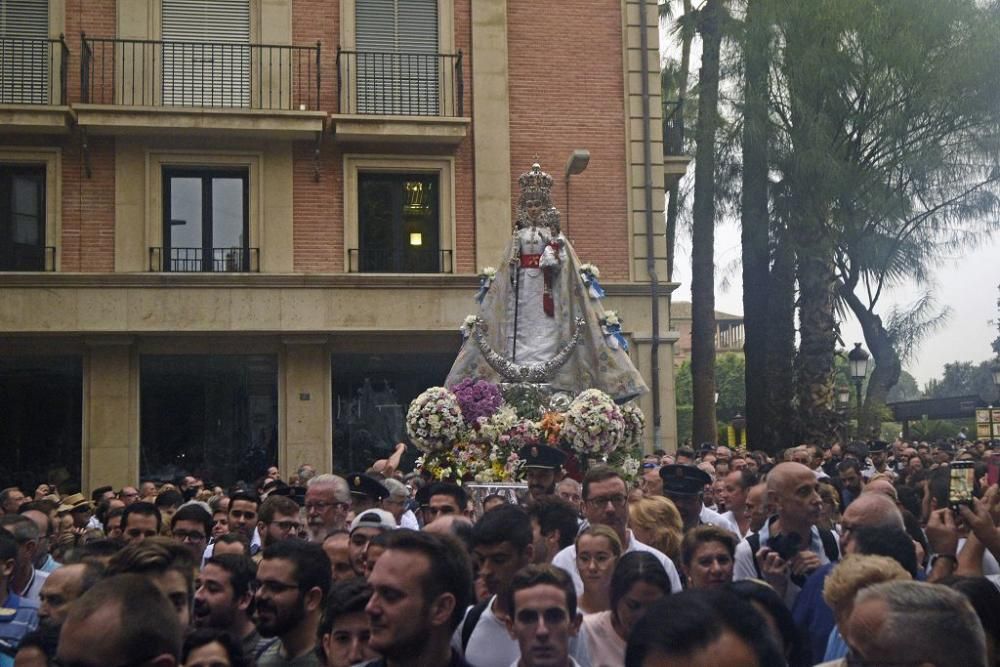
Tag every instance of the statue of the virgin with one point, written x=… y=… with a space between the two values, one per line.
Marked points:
x=538 y=322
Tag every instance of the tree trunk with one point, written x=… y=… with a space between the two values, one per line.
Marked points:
x=887 y=365
x=703 y=232
x=676 y=144
x=755 y=223
x=779 y=376
x=817 y=341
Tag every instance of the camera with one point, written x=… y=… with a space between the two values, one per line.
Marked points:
x=785 y=546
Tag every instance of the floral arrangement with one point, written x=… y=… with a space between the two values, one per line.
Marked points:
x=474 y=431
x=467 y=324
x=477 y=398
x=611 y=326
x=635 y=423
x=594 y=425
x=434 y=420
x=590 y=275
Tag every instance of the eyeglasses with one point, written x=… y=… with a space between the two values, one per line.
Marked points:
x=618 y=500
x=189 y=535
x=552 y=616
x=286 y=525
x=321 y=506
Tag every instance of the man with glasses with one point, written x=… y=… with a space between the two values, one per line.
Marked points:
x=293 y=580
x=140 y=521
x=605 y=501
x=327 y=501
x=128 y=495
x=191 y=525
x=543 y=616
x=279 y=520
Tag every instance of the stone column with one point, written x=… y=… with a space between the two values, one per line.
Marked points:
x=304 y=405
x=111 y=413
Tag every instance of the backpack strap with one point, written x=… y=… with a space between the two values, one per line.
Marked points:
x=471 y=621
x=753 y=541
x=830 y=546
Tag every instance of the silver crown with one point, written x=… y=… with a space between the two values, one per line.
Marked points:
x=535 y=180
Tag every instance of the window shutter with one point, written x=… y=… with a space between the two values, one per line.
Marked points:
x=397 y=60
x=24 y=52
x=206 y=52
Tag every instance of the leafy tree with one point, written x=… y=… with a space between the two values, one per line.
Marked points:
x=906 y=389
x=962 y=378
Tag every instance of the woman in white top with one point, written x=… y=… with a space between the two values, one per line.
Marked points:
x=638 y=581
x=597 y=551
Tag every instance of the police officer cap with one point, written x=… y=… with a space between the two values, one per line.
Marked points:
x=363 y=485
x=877 y=446
x=683 y=480
x=541 y=456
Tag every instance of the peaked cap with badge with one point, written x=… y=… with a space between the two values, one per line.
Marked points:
x=361 y=484
x=542 y=456
x=683 y=480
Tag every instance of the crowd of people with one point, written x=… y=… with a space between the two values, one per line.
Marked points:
x=839 y=555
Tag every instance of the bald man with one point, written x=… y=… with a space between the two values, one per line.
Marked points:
x=813 y=616
x=789 y=547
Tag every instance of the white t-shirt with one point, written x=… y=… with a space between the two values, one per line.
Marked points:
x=566 y=559
x=720 y=520
x=490 y=645
x=606 y=648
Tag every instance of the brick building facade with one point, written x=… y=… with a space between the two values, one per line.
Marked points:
x=244 y=232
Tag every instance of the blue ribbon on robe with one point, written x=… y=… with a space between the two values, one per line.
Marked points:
x=484 y=287
x=616 y=340
x=593 y=286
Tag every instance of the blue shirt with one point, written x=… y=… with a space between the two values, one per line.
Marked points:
x=18 y=617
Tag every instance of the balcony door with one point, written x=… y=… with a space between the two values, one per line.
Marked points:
x=398 y=222
x=206 y=222
x=22 y=218
x=397 y=59
x=24 y=52
x=206 y=53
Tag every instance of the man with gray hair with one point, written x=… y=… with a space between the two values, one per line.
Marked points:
x=913 y=623
x=396 y=503
x=327 y=501
x=26 y=581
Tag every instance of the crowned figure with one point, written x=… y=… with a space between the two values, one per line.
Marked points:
x=537 y=321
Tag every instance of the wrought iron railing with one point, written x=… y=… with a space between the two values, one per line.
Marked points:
x=673 y=127
x=27 y=257
x=400 y=84
x=381 y=260
x=33 y=70
x=204 y=260
x=143 y=72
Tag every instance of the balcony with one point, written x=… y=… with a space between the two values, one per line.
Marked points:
x=392 y=97
x=204 y=260
x=33 y=85
x=675 y=162
x=132 y=86
x=384 y=260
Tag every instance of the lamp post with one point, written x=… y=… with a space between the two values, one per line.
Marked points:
x=577 y=162
x=739 y=425
x=843 y=402
x=857 y=360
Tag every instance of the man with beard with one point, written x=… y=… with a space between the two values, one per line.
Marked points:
x=293 y=580
x=223 y=598
x=327 y=501
x=279 y=520
x=542 y=467
x=421 y=587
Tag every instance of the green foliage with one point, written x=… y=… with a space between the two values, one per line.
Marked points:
x=729 y=382
x=962 y=378
x=906 y=389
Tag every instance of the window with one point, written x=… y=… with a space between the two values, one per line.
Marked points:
x=397 y=57
x=22 y=218
x=211 y=415
x=206 y=221
x=206 y=52
x=398 y=220
x=24 y=52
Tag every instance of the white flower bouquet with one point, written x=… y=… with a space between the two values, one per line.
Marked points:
x=434 y=420
x=594 y=425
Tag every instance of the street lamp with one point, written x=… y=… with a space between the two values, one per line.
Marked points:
x=739 y=424
x=857 y=360
x=843 y=403
x=577 y=162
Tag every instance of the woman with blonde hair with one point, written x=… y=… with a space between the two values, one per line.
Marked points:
x=656 y=522
x=597 y=551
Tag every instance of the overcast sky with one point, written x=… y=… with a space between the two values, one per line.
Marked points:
x=967 y=284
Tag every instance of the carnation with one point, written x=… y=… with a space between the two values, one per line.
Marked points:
x=477 y=398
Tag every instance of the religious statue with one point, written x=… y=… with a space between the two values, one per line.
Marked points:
x=538 y=322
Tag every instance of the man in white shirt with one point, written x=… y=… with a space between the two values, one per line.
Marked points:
x=735 y=487
x=605 y=501
x=684 y=485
